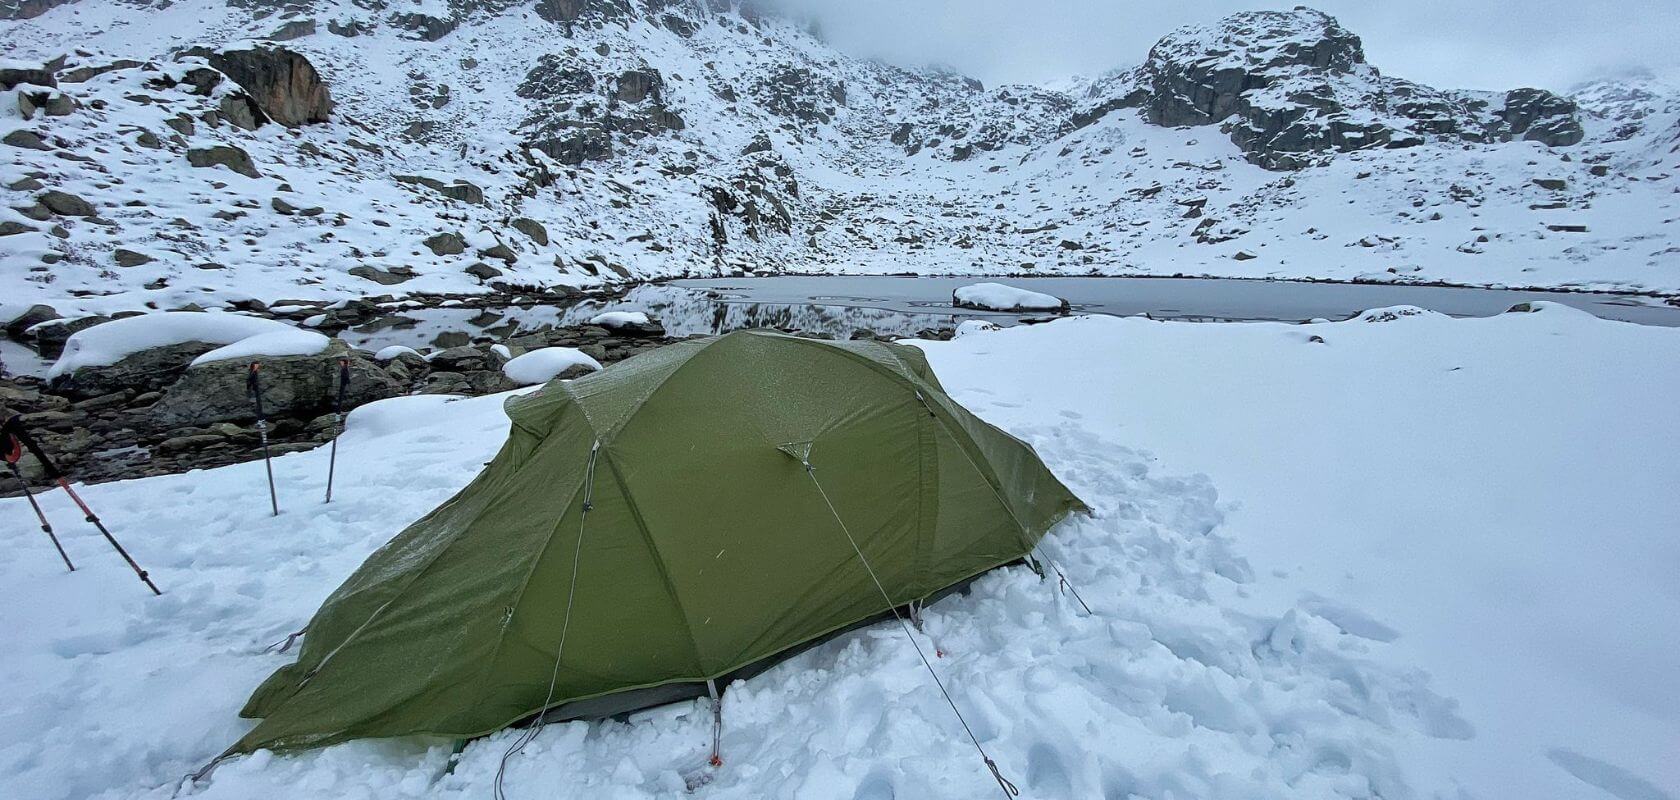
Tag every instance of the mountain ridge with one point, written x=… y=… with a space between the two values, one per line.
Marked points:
x=579 y=142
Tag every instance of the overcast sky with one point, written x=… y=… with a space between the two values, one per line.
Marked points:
x=1470 y=44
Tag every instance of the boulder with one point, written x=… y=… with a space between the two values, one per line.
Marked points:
x=66 y=204
x=281 y=82
x=148 y=370
x=12 y=75
x=293 y=386
x=483 y=271
x=131 y=258
x=32 y=316
x=383 y=277
x=446 y=244
x=467 y=359
x=51 y=336
x=225 y=155
x=464 y=191
x=26 y=139
x=532 y=229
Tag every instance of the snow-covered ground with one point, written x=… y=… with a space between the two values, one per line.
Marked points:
x=1401 y=556
x=872 y=184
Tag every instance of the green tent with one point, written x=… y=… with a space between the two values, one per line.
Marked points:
x=707 y=549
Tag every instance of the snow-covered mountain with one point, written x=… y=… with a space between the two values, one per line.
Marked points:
x=158 y=154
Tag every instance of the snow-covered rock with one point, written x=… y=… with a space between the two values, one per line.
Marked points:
x=545 y=364
x=291 y=342
x=107 y=343
x=989 y=296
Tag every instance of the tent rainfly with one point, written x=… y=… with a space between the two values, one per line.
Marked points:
x=665 y=517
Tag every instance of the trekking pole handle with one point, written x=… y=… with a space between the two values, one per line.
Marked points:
x=13 y=428
x=343 y=384
x=253 y=387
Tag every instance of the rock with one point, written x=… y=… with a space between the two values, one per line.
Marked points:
x=461 y=190
x=34 y=315
x=190 y=442
x=12 y=75
x=282 y=207
x=446 y=244
x=66 y=204
x=130 y=258
x=1554 y=184
x=281 y=82
x=636 y=85
x=447 y=383
x=1541 y=116
x=467 y=359
x=532 y=229
x=293 y=386
x=51 y=336
x=483 y=271
x=241 y=111
x=499 y=251
x=12 y=228
x=26 y=139
x=296 y=29
x=390 y=277
x=147 y=370
x=224 y=155
x=1244 y=255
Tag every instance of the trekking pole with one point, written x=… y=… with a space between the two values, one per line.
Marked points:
x=338 y=413
x=15 y=428
x=12 y=451
x=253 y=387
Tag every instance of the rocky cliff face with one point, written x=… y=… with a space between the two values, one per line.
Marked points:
x=362 y=146
x=1293 y=87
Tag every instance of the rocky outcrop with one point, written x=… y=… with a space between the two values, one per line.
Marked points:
x=281 y=82
x=1293 y=86
x=1537 y=115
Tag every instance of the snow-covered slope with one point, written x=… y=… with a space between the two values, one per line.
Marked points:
x=472 y=143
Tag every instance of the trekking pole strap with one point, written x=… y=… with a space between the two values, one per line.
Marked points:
x=14 y=430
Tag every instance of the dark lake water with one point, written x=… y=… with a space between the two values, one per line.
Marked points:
x=841 y=306
x=844 y=305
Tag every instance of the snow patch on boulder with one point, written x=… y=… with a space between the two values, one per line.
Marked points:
x=1003 y=297
x=289 y=342
x=107 y=343
x=541 y=366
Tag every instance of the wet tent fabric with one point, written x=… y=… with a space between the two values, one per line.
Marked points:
x=705 y=548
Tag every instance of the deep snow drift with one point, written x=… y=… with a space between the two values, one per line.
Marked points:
x=1437 y=564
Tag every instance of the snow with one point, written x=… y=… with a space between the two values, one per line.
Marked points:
x=110 y=342
x=1003 y=297
x=541 y=365
x=1424 y=557
x=392 y=351
x=970 y=327
x=289 y=342
x=619 y=319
